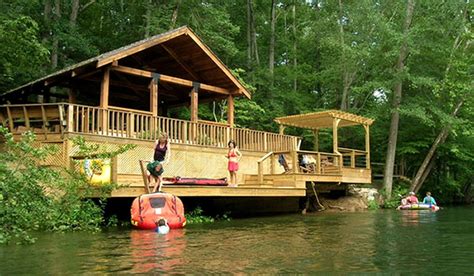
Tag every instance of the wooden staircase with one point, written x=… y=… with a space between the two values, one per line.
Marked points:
x=274 y=181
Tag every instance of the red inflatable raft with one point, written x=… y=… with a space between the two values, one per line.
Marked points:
x=147 y=209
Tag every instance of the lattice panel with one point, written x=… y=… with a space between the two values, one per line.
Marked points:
x=56 y=159
x=185 y=161
x=127 y=163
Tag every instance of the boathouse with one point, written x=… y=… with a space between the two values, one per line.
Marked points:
x=126 y=96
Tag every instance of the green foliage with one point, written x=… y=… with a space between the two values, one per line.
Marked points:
x=398 y=192
x=21 y=51
x=321 y=48
x=34 y=197
x=196 y=217
x=373 y=205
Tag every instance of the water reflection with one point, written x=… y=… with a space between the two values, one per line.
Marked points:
x=153 y=252
x=385 y=241
x=415 y=217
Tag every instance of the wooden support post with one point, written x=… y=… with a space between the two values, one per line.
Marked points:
x=367 y=146
x=72 y=96
x=194 y=103
x=104 y=99
x=294 y=161
x=27 y=118
x=316 y=139
x=45 y=122
x=335 y=124
x=353 y=159
x=194 y=112
x=265 y=144
x=230 y=110
x=318 y=163
x=282 y=129
x=154 y=96
x=272 y=164
x=10 y=119
x=114 y=169
x=260 y=173
x=70 y=118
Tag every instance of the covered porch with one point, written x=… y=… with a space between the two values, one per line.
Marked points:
x=341 y=166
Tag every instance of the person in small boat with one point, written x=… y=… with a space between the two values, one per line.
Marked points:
x=163 y=227
x=429 y=199
x=233 y=156
x=412 y=199
x=155 y=170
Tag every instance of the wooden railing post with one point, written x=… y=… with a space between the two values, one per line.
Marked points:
x=70 y=118
x=10 y=119
x=272 y=164
x=294 y=161
x=260 y=172
x=318 y=163
x=265 y=146
x=353 y=159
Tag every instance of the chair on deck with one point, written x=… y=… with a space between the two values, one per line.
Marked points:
x=283 y=163
x=307 y=164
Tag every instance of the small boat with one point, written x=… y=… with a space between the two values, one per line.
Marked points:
x=147 y=209
x=420 y=206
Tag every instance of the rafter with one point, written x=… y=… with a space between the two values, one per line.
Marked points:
x=180 y=62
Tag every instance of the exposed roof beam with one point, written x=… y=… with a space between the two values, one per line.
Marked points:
x=219 y=63
x=170 y=79
x=180 y=62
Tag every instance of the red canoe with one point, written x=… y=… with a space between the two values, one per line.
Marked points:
x=147 y=209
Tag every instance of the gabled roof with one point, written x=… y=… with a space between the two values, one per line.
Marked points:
x=323 y=119
x=178 y=52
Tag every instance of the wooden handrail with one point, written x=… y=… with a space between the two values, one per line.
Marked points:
x=354 y=150
x=130 y=110
x=213 y=123
x=260 y=166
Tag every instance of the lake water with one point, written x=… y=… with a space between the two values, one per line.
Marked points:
x=383 y=241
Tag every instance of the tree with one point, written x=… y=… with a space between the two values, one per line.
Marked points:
x=397 y=97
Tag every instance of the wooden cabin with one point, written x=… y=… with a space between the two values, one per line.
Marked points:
x=127 y=96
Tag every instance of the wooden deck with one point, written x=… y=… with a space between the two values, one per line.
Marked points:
x=271 y=165
x=209 y=191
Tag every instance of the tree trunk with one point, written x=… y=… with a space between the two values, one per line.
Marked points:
x=249 y=36
x=295 y=60
x=424 y=169
x=397 y=97
x=254 y=35
x=252 y=50
x=271 y=55
x=345 y=80
x=148 y=18
x=74 y=12
x=55 y=46
x=175 y=14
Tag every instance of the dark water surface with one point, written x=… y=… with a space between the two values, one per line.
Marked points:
x=385 y=241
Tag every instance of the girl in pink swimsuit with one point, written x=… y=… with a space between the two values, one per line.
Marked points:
x=234 y=156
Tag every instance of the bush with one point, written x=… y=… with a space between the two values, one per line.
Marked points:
x=34 y=197
x=196 y=217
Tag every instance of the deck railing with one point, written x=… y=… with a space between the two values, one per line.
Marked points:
x=301 y=161
x=135 y=124
x=354 y=158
